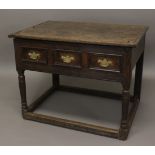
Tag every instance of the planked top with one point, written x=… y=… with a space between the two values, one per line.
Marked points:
x=79 y=32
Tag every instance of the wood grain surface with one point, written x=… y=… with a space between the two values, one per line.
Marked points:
x=80 y=32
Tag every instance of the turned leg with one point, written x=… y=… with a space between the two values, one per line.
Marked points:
x=138 y=77
x=125 y=111
x=55 y=80
x=124 y=128
x=22 y=88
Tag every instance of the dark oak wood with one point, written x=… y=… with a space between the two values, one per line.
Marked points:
x=138 y=76
x=80 y=32
x=22 y=88
x=62 y=58
x=96 y=59
x=92 y=92
x=73 y=124
x=41 y=55
x=89 y=50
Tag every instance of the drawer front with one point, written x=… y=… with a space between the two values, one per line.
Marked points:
x=68 y=58
x=34 y=55
x=106 y=62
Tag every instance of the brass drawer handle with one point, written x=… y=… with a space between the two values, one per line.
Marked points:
x=34 y=55
x=104 y=62
x=67 y=58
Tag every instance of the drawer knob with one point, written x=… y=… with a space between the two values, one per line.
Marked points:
x=104 y=62
x=34 y=55
x=67 y=58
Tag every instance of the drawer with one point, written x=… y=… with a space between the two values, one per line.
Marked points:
x=35 y=55
x=68 y=58
x=106 y=62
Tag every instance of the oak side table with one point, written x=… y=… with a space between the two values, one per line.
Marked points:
x=89 y=50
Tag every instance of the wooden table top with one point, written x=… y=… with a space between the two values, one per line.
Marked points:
x=80 y=32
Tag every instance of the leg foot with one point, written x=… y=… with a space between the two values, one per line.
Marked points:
x=123 y=134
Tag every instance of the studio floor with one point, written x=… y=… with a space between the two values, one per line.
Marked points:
x=14 y=130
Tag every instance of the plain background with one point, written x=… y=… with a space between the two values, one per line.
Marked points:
x=16 y=131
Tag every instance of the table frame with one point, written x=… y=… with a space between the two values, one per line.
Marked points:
x=127 y=115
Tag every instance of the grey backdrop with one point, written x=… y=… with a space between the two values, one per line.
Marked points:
x=16 y=131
